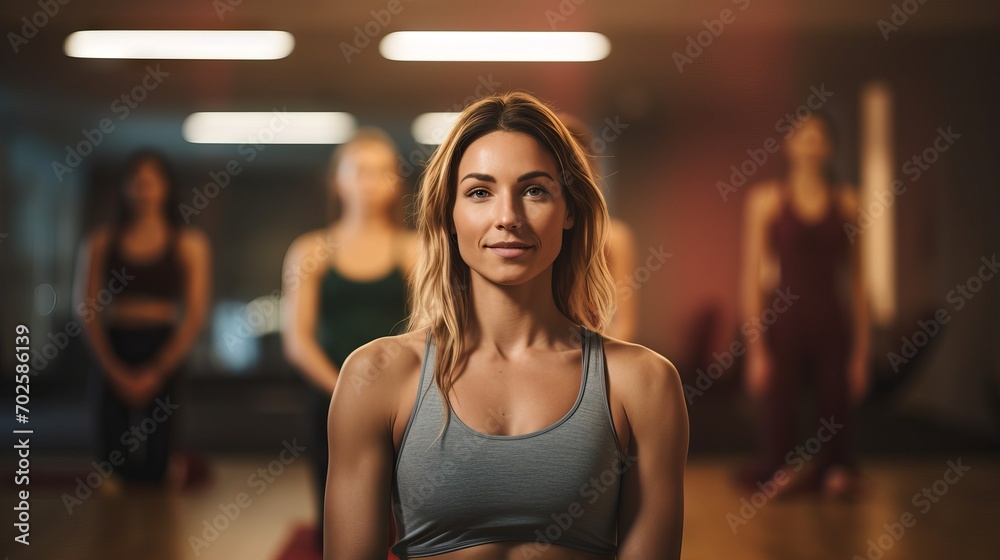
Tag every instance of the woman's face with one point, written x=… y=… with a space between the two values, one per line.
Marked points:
x=146 y=191
x=810 y=143
x=510 y=211
x=367 y=177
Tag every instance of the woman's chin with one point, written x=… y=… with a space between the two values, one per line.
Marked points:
x=514 y=276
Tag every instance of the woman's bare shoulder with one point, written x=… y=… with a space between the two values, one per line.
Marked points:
x=385 y=363
x=849 y=199
x=191 y=234
x=648 y=387
x=307 y=253
x=763 y=196
x=310 y=241
x=193 y=243
x=634 y=366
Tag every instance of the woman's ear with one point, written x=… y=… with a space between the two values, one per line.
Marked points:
x=570 y=219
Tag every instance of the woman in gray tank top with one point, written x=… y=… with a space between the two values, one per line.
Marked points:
x=503 y=425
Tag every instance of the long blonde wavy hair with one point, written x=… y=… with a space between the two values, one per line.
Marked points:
x=439 y=288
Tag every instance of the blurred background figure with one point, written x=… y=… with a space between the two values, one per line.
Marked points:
x=802 y=280
x=156 y=275
x=620 y=250
x=344 y=285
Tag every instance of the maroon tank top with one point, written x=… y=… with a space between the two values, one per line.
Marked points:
x=159 y=278
x=813 y=258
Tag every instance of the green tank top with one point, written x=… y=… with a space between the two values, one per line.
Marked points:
x=353 y=313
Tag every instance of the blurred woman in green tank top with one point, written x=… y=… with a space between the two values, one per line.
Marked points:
x=344 y=285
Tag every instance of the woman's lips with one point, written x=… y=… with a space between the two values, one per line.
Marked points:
x=510 y=252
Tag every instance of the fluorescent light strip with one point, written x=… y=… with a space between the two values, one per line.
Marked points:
x=275 y=127
x=432 y=128
x=187 y=44
x=496 y=46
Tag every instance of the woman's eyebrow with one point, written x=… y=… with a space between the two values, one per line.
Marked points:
x=480 y=177
x=525 y=177
x=534 y=174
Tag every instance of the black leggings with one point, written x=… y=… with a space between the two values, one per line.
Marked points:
x=138 y=439
x=319 y=409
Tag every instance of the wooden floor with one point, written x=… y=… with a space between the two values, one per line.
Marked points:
x=151 y=524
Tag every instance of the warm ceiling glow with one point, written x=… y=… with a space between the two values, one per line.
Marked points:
x=164 y=44
x=431 y=128
x=275 y=127
x=500 y=46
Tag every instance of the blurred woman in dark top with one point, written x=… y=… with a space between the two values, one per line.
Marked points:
x=343 y=285
x=799 y=261
x=142 y=292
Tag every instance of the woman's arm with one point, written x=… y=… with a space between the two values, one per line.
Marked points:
x=195 y=255
x=859 y=304
x=651 y=511
x=757 y=210
x=361 y=457
x=90 y=273
x=300 y=277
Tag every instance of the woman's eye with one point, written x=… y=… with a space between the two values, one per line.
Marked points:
x=477 y=193
x=535 y=191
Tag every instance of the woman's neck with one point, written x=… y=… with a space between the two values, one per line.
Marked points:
x=512 y=318
x=148 y=221
x=806 y=180
x=362 y=223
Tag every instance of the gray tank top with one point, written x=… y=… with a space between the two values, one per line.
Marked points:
x=556 y=486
